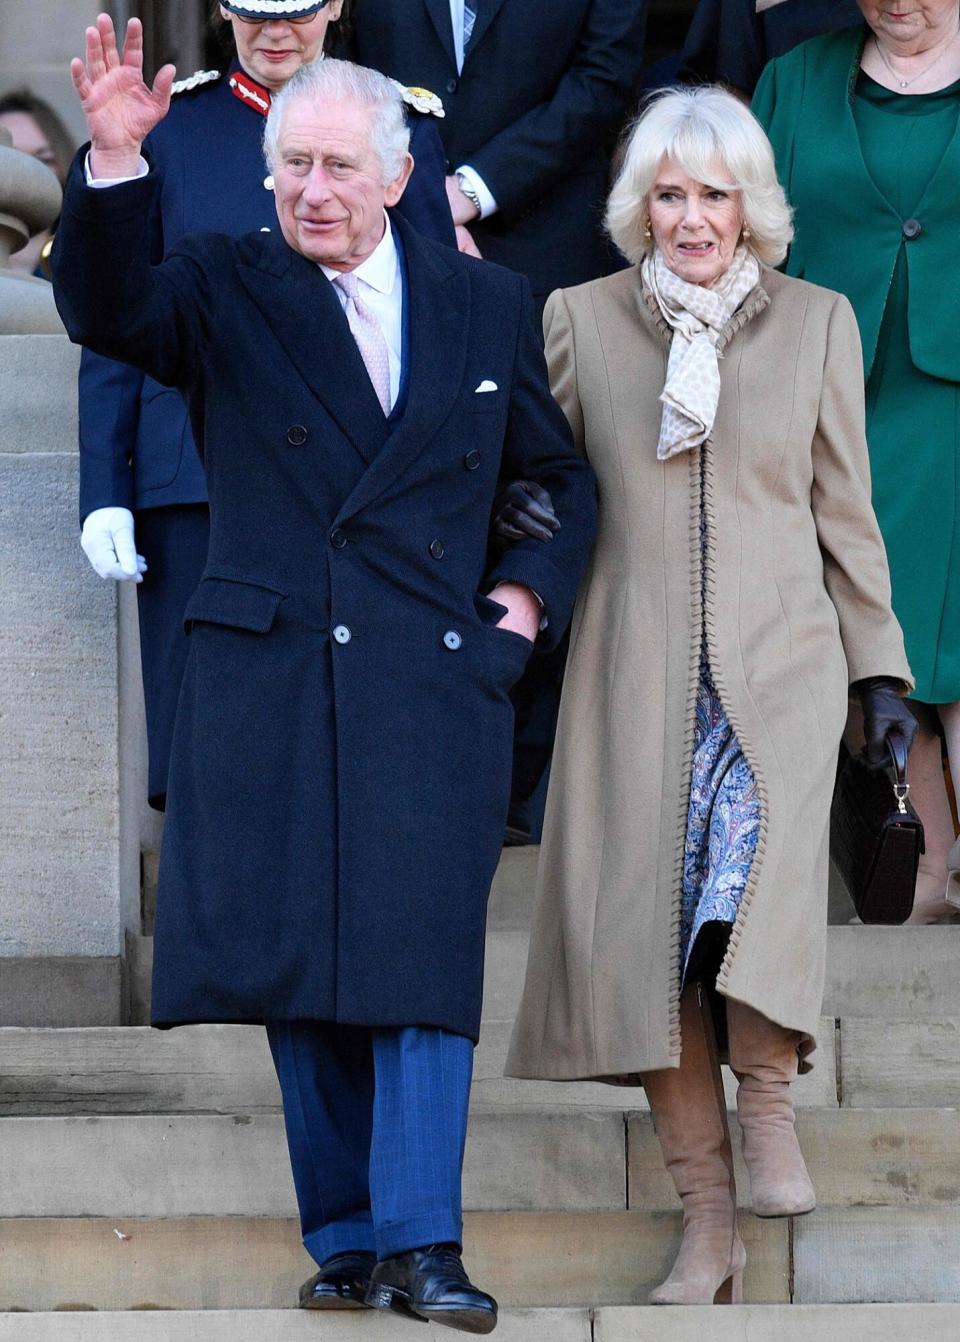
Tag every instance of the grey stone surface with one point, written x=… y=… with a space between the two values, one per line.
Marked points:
x=238 y=1165
x=55 y=991
x=281 y=1325
x=37 y=40
x=60 y=863
x=879 y=1254
x=892 y=972
x=892 y=1062
x=782 y=1323
x=525 y=1258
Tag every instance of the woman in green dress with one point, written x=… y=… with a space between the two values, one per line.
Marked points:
x=864 y=125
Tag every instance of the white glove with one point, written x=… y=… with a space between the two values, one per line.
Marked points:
x=107 y=541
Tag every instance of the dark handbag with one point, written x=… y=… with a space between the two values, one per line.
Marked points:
x=876 y=837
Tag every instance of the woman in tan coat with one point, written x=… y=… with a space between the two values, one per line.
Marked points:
x=737 y=590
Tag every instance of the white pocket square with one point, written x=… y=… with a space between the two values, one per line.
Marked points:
x=487 y=385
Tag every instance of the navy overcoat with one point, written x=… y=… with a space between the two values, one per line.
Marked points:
x=341 y=759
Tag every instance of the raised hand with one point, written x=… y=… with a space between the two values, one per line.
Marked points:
x=119 y=107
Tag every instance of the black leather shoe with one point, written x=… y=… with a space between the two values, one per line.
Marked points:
x=341 y=1283
x=430 y=1284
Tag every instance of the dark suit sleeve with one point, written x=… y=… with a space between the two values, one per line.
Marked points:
x=108 y=401
x=724 y=45
x=424 y=204
x=538 y=446
x=108 y=294
x=588 y=105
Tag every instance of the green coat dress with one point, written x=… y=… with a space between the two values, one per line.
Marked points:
x=872 y=176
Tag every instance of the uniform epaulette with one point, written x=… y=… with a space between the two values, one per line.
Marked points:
x=195 y=80
x=422 y=100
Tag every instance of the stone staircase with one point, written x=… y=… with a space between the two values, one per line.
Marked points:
x=144 y=1176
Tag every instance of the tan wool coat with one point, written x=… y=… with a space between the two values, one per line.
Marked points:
x=796 y=606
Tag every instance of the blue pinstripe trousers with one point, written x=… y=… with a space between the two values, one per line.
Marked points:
x=376 y=1124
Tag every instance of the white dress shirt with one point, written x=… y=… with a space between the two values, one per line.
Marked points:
x=381 y=288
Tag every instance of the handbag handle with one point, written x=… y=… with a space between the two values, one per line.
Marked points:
x=897 y=747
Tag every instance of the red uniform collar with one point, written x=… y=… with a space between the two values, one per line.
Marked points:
x=249 y=91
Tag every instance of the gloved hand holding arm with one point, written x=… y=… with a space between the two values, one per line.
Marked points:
x=524 y=509
x=883 y=711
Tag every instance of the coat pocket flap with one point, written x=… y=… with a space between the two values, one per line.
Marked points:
x=244 y=605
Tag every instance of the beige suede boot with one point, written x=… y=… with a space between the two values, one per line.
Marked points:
x=690 y=1116
x=763 y=1056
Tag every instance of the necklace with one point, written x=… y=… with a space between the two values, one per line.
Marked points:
x=905 y=83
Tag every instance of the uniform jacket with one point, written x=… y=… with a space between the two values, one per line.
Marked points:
x=136 y=447
x=730 y=43
x=848 y=235
x=795 y=605
x=543 y=92
x=341 y=758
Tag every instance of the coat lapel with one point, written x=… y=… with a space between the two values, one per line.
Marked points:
x=439 y=320
x=439 y=11
x=300 y=307
x=487 y=11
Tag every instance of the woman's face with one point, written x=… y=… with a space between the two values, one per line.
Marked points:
x=30 y=139
x=696 y=227
x=902 y=22
x=272 y=51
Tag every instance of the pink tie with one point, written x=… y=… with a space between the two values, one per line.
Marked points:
x=369 y=337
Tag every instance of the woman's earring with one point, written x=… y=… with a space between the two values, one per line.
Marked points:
x=647 y=231
x=746 y=235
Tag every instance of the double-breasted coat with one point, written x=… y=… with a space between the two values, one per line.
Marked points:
x=341 y=757
x=795 y=605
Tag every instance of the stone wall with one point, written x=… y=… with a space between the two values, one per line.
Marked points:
x=71 y=748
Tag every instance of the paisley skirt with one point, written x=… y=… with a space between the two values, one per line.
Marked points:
x=723 y=822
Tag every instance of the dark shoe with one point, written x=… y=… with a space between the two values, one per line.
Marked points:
x=430 y=1284
x=341 y=1283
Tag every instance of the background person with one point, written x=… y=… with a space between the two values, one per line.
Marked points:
x=878 y=218
x=730 y=41
x=737 y=590
x=351 y=471
x=36 y=129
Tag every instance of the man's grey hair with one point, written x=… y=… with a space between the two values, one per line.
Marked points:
x=702 y=130
x=328 y=80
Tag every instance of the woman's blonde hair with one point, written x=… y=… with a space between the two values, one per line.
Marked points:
x=696 y=128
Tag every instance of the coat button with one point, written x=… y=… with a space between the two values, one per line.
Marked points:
x=296 y=435
x=436 y=549
x=342 y=634
x=338 y=538
x=912 y=228
x=451 y=86
x=472 y=460
x=452 y=640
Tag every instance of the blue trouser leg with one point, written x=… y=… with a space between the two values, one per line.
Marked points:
x=376 y=1125
x=326 y=1078
x=420 y=1105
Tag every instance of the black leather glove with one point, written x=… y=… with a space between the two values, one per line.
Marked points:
x=523 y=510
x=883 y=711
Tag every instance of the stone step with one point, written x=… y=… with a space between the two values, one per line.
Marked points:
x=526 y=1259
x=273 y=1325
x=782 y=1323
x=526 y=1160
x=872 y=972
x=740 y=1323
x=227 y=1069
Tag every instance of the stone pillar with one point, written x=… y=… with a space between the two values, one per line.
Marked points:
x=69 y=850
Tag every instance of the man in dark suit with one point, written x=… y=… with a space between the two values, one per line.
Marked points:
x=730 y=41
x=534 y=95
x=340 y=763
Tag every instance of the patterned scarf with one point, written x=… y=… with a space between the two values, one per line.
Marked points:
x=697 y=317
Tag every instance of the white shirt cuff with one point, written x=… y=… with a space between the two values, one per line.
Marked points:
x=488 y=205
x=101 y=182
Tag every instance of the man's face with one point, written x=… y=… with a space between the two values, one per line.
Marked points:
x=328 y=182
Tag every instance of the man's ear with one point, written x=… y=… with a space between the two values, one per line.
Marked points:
x=395 y=190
